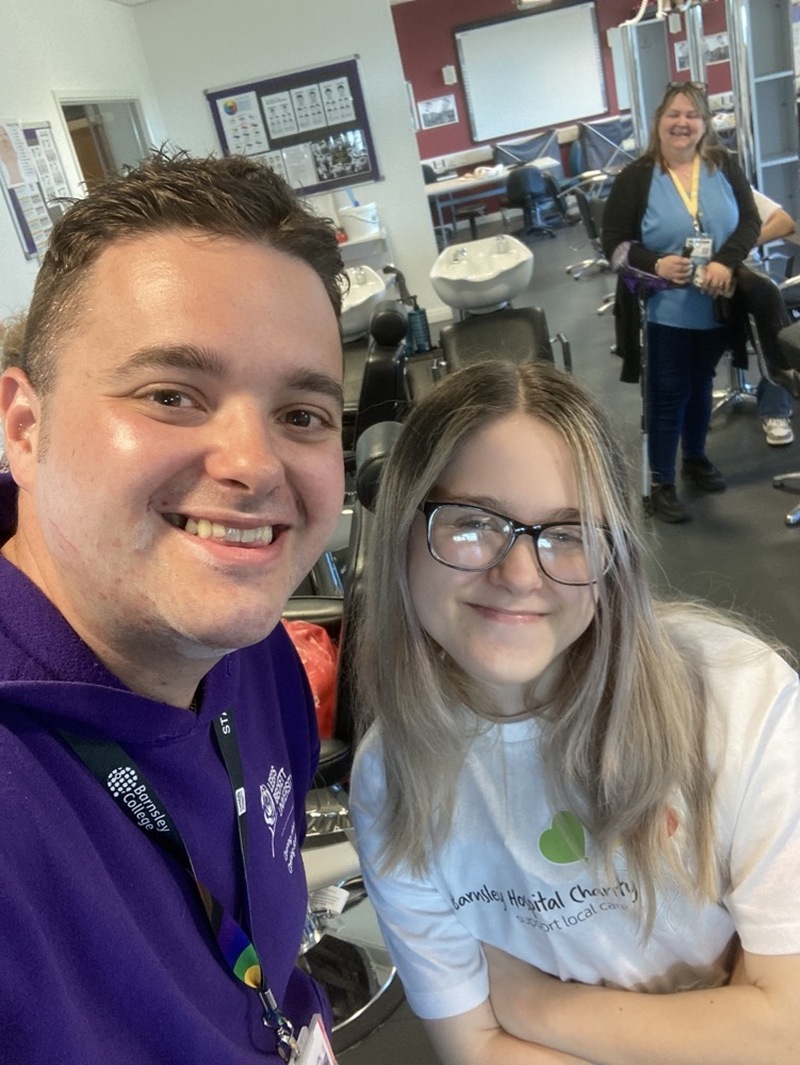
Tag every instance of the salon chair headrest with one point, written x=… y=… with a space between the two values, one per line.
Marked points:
x=372 y=449
x=388 y=325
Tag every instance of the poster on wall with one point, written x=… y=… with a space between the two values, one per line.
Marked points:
x=310 y=126
x=33 y=179
x=439 y=111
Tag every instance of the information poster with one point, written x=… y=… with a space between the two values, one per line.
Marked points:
x=309 y=126
x=33 y=180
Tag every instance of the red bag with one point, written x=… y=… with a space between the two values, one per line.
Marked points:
x=319 y=657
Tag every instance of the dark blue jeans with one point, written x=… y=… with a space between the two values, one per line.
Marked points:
x=680 y=376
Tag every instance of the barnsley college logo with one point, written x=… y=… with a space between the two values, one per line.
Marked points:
x=121 y=779
x=123 y=783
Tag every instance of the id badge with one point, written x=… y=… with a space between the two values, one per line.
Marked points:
x=313 y=1046
x=699 y=249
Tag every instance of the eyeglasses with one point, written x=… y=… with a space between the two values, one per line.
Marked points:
x=698 y=86
x=475 y=539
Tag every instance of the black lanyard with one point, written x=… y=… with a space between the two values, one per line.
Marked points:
x=134 y=794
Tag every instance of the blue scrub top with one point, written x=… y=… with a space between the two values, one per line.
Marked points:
x=665 y=227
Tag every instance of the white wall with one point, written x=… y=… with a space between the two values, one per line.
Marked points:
x=83 y=47
x=168 y=51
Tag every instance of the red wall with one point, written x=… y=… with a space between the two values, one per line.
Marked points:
x=425 y=35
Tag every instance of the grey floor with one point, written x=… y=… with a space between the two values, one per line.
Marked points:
x=736 y=553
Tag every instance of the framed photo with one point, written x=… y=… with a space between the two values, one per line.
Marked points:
x=438 y=111
x=681 y=55
x=717 y=48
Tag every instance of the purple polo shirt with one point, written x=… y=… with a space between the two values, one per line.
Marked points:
x=107 y=955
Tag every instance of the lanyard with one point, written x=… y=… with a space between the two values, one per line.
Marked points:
x=134 y=794
x=690 y=200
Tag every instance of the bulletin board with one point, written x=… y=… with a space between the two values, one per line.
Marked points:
x=531 y=71
x=310 y=126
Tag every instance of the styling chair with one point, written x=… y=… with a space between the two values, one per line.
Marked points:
x=343 y=948
x=591 y=212
x=525 y=188
x=776 y=342
x=561 y=196
x=518 y=333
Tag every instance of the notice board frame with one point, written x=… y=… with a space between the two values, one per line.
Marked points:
x=310 y=125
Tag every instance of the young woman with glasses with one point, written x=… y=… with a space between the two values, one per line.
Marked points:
x=687 y=211
x=570 y=794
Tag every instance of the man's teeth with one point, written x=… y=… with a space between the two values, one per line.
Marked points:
x=207 y=530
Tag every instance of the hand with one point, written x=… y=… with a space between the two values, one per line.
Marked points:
x=717 y=280
x=674 y=268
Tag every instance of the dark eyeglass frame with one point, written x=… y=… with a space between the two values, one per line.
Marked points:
x=698 y=86
x=430 y=506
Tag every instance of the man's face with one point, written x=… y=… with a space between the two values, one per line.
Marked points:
x=192 y=469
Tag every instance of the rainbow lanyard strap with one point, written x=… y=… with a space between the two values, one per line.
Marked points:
x=116 y=771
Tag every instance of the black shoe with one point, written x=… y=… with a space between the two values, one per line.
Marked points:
x=703 y=475
x=664 y=504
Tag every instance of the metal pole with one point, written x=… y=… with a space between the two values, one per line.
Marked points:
x=696 y=43
x=737 y=15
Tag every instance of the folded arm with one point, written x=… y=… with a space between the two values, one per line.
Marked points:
x=476 y=1038
x=752 y=1021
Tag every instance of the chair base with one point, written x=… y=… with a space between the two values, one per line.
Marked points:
x=789 y=482
x=577 y=270
x=733 y=397
x=354 y=967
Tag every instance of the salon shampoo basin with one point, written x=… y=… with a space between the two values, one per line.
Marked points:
x=483 y=274
x=367 y=289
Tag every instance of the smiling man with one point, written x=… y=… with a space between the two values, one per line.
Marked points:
x=172 y=426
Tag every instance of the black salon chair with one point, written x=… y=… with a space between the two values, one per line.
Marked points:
x=356 y=971
x=525 y=188
x=591 y=212
x=776 y=341
x=518 y=333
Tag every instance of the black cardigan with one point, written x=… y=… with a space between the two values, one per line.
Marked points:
x=622 y=220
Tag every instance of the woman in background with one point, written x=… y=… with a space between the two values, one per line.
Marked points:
x=570 y=794
x=687 y=211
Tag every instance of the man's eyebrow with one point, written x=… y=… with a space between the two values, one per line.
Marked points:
x=176 y=357
x=306 y=380
x=191 y=357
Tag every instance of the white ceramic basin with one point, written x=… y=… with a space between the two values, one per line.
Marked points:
x=483 y=274
x=367 y=288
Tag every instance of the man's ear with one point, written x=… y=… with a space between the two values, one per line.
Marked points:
x=20 y=411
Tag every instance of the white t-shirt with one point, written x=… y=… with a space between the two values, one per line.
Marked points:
x=517 y=873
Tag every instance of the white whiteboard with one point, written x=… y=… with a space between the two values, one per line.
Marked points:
x=530 y=72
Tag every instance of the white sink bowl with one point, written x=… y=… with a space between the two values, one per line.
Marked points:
x=367 y=288
x=483 y=274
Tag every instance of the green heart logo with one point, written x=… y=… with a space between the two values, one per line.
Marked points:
x=564 y=841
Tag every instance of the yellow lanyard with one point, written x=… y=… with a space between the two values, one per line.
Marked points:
x=691 y=200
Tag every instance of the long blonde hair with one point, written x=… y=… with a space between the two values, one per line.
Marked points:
x=624 y=732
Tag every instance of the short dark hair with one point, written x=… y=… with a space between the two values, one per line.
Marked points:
x=232 y=196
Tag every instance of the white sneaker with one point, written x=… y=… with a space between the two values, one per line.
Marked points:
x=778 y=431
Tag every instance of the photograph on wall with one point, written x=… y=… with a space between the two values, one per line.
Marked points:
x=337 y=100
x=717 y=48
x=311 y=125
x=279 y=112
x=244 y=128
x=438 y=111
x=681 y=55
x=342 y=155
